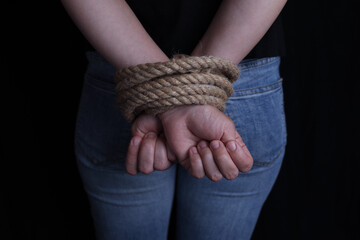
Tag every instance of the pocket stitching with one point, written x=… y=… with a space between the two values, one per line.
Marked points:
x=283 y=139
x=262 y=164
x=263 y=89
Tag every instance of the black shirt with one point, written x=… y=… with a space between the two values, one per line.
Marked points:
x=177 y=26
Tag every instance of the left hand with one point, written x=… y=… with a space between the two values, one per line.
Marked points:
x=147 y=149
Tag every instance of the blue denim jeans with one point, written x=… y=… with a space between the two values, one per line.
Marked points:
x=139 y=207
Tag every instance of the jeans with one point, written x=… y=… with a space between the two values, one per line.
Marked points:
x=139 y=207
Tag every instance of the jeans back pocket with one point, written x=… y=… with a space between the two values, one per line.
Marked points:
x=102 y=134
x=257 y=109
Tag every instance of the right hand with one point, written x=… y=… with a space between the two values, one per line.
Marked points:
x=186 y=128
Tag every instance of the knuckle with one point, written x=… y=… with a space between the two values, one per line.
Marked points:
x=222 y=156
x=241 y=142
x=207 y=154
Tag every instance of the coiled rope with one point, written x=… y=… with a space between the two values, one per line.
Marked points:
x=157 y=87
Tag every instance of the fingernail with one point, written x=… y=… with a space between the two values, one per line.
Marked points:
x=136 y=141
x=194 y=150
x=202 y=144
x=150 y=135
x=215 y=144
x=231 y=146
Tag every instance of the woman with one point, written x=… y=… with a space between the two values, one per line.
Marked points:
x=226 y=203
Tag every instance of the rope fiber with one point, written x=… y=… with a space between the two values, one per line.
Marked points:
x=157 y=87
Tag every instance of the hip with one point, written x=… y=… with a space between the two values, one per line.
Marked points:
x=256 y=107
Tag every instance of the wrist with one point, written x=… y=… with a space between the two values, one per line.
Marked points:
x=164 y=115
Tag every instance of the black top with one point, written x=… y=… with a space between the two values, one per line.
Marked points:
x=177 y=26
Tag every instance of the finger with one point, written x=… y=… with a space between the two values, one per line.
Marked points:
x=146 y=153
x=170 y=153
x=241 y=159
x=223 y=160
x=145 y=123
x=242 y=144
x=211 y=170
x=240 y=154
x=229 y=131
x=132 y=155
x=161 y=161
x=196 y=166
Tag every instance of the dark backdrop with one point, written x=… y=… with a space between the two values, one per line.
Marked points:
x=316 y=195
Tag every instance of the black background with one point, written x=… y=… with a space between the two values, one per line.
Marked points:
x=316 y=195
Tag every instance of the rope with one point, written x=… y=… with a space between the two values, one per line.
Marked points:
x=157 y=87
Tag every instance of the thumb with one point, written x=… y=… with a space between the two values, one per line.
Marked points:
x=146 y=123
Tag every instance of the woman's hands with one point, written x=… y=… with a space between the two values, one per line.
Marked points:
x=188 y=130
x=113 y=29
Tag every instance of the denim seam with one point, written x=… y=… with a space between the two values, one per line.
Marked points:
x=106 y=202
x=242 y=93
x=273 y=160
x=269 y=85
x=256 y=93
x=99 y=167
x=266 y=86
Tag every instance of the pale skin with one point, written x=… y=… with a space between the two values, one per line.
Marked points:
x=179 y=134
